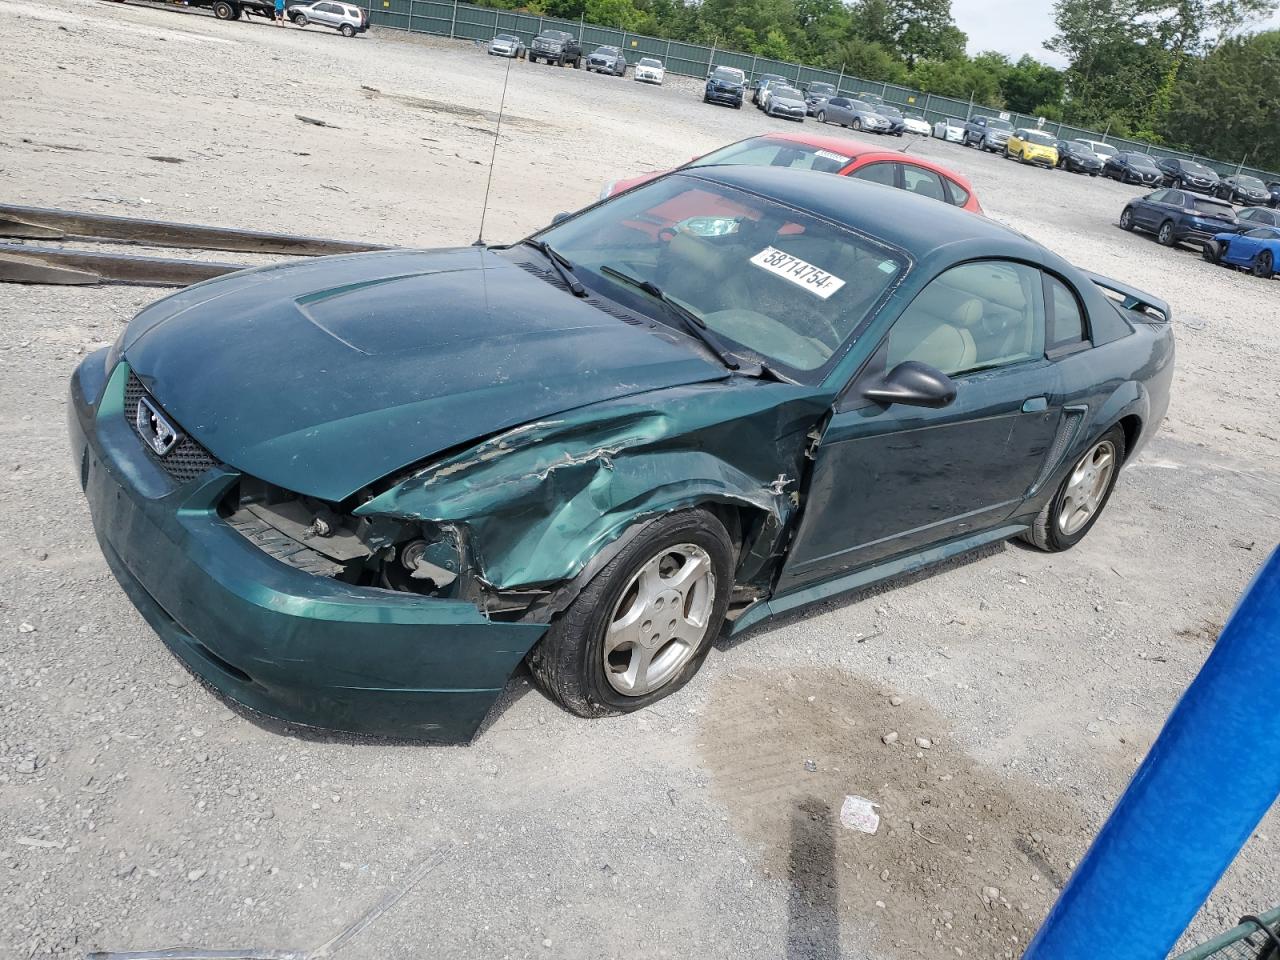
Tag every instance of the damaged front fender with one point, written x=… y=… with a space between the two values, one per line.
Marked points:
x=541 y=501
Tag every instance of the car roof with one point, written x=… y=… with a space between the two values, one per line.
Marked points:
x=919 y=225
x=855 y=150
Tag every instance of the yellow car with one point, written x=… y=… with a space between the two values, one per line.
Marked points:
x=1032 y=146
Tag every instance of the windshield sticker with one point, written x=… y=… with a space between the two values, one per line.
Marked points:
x=817 y=281
x=832 y=156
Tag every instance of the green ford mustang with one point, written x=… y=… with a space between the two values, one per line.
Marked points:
x=357 y=492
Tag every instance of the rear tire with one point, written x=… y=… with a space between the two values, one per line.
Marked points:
x=574 y=664
x=1081 y=498
x=347 y=30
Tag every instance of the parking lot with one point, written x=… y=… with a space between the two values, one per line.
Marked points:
x=139 y=811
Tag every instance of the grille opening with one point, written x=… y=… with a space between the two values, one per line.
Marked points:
x=187 y=460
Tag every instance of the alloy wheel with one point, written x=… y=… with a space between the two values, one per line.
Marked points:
x=1262 y=264
x=1165 y=236
x=660 y=620
x=1086 y=487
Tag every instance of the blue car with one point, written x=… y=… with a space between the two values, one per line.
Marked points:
x=725 y=85
x=1175 y=216
x=1256 y=250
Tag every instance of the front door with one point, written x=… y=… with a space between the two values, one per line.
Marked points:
x=894 y=479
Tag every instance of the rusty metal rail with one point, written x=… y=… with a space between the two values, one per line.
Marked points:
x=20 y=263
x=40 y=223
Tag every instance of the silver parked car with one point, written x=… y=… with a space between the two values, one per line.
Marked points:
x=507 y=45
x=343 y=17
x=785 y=101
x=609 y=60
x=857 y=114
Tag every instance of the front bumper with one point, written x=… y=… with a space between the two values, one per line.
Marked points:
x=306 y=649
x=648 y=77
x=1046 y=160
x=731 y=97
x=503 y=51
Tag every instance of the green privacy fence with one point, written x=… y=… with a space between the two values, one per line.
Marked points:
x=467 y=22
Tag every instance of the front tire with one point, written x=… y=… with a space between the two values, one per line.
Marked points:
x=820 y=116
x=1263 y=265
x=1211 y=252
x=1165 y=234
x=224 y=10
x=641 y=628
x=1126 y=219
x=1080 y=500
x=857 y=124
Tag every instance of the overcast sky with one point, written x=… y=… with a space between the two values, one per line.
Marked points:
x=1013 y=27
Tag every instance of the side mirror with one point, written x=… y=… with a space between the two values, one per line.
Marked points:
x=560 y=218
x=914 y=384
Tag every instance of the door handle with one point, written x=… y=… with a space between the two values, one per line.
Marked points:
x=1035 y=405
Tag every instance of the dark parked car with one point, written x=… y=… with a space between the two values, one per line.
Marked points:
x=609 y=60
x=1187 y=175
x=1258 y=217
x=892 y=114
x=987 y=133
x=1129 y=167
x=556 y=46
x=1273 y=188
x=1178 y=215
x=1256 y=250
x=725 y=85
x=1243 y=189
x=1077 y=158
x=714 y=398
x=816 y=93
x=762 y=81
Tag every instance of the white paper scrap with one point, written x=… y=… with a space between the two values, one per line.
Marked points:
x=859 y=813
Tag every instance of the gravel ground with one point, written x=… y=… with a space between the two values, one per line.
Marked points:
x=139 y=811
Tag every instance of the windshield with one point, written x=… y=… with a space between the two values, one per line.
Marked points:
x=649 y=62
x=770 y=152
x=607 y=51
x=887 y=111
x=507 y=37
x=1036 y=136
x=784 y=93
x=860 y=105
x=770 y=281
x=1101 y=149
x=1250 y=183
x=1214 y=208
x=553 y=35
x=1142 y=160
x=994 y=124
x=726 y=75
x=1199 y=169
x=822 y=89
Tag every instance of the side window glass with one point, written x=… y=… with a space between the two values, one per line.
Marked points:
x=922 y=181
x=1067 y=318
x=877 y=173
x=974 y=316
x=959 y=195
x=1174 y=197
x=1159 y=196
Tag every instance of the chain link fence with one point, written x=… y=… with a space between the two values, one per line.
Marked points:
x=464 y=21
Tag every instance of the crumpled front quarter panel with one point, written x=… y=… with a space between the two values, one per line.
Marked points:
x=541 y=500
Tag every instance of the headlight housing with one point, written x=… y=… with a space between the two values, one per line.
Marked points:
x=114 y=351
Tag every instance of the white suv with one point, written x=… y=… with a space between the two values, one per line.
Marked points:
x=343 y=17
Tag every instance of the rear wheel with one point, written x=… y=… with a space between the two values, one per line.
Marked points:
x=347 y=30
x=1084 y=492
x=1165 y=234
x=224 y=10
x=1126 y=218
x=1263 y=266
x=641 y=627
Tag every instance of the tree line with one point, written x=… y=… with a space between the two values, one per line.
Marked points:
x=1181 y=73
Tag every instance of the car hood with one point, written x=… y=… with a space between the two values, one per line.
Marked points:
x=324 y=376
x=785 y=101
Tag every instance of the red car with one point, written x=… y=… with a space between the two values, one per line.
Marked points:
x=838 y=155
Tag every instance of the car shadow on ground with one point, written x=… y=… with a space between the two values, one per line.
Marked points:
x=727 y=642
x=813 y=921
